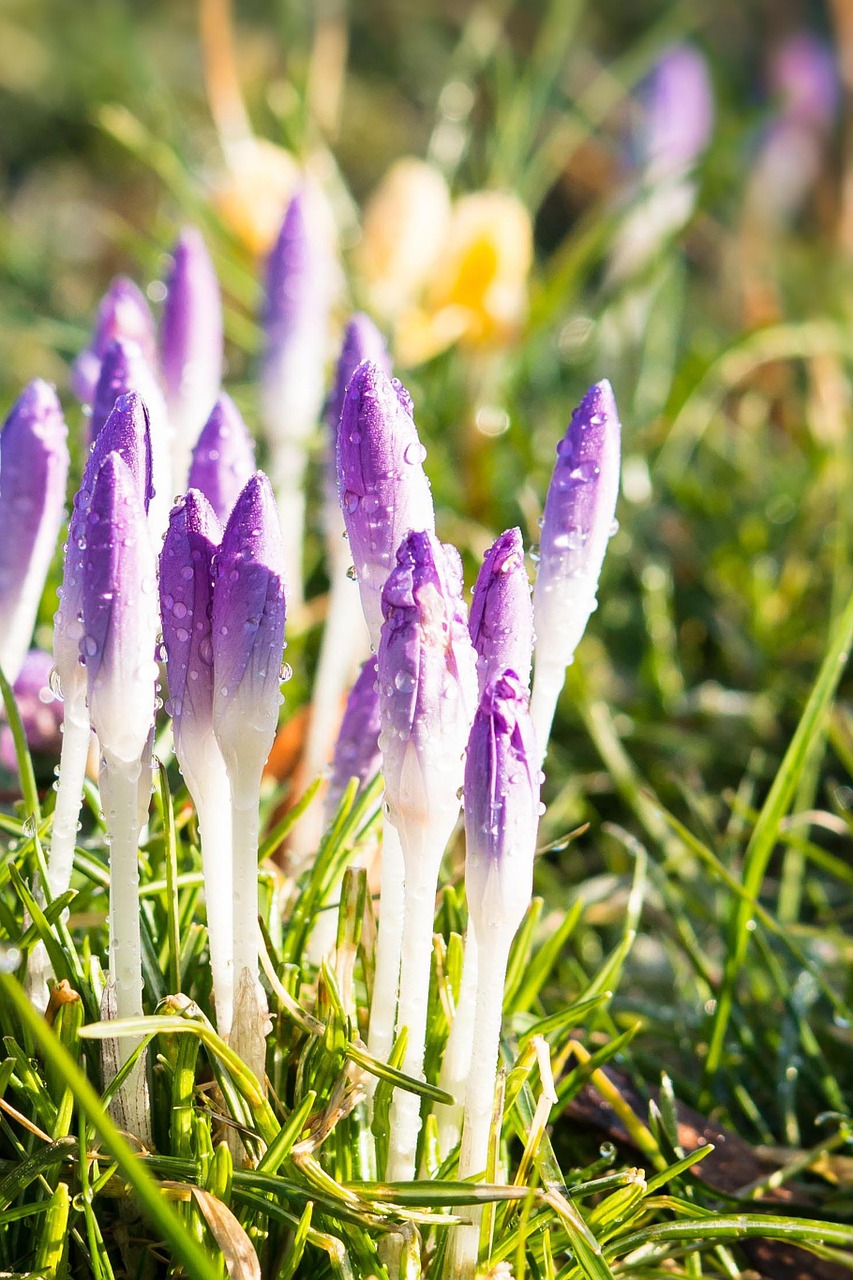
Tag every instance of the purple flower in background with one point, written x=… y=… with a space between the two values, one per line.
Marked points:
x=248 y=636
x=41 y=711
x=383 y=488
x=676 y=115
x=190 y=345
x=501 y=622
x=576 y=527
x=357 y=753
x=501 y=807
x=300 y=280
x=804 y=76
x=427 y=690
x=125 y=432
x=33 y=474
x=120 y=614
x=123 y=314
x=223 y=459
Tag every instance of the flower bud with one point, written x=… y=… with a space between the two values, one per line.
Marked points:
x=501 y=621
x=223 y=459
x=248 y=637
x=382 y=485
x=501 y=808
x=33 y=473
x=120 y=614
x=123 y=314
x=427 y=690
x=357 y=753
x=190 y=346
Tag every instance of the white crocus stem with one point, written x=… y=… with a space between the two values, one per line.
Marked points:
x=456 y=1064
x=74 y=753
x=214 y=824
x=480 y=1093
x=250 y=1007
x=119 y=782
x=547 y=687
x=389 y=944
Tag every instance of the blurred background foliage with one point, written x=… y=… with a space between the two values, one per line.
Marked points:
x=729 y=352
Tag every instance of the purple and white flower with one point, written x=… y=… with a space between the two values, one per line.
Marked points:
x=123 y=314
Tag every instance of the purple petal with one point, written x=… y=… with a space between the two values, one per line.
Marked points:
x=357 y=753
x=124 y=368
x=427 y=685
x=224 y=457
x=126 y=432
x=33 y=474
x=299 y=290
x=502 y=611
x=248 y=633
x=120 y=615
x=576 y=526
x=186 y=602
x=190 y=342
x=41 y=711
x=804 y=74
x=124 y=314
x=501 y=806
x=382 y=485
x=678 y=113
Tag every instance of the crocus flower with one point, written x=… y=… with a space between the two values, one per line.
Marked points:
x=259 y=180
x=120 y=615
x=300 y=283
x=501 y=821
x=124 y=369
x=676 y=115
x=501 y=622
x=123 y=314
x=357 y=753
x=477 y=293
x=120 y=623
x=576 y=527
x=248 y=641
x=223 y=459
x=186 y=597
x=33 y=472
x=344 y=640
x=405 y=230
x=427 y=691
x=41 y=710
x=190 y=346
x=383 y=488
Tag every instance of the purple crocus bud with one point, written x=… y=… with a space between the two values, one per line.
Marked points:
x=120 y=614
x=357 y=753
x=382 y=485
x=123 y=314
x=190 y=345
x=362 y=341
x=248 y=637
x=126 y=432
x=501 y=621
x=677 y=115
x=501 y=808
x=125 y=369
x=427 y=692
x=33 y=472
x=223 y=459
x=300 y=280
x=576 y=527
x=186 y=599
x=804 y=75
x=41 y=711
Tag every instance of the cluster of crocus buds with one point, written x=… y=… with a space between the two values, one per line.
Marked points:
x=442 y=707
